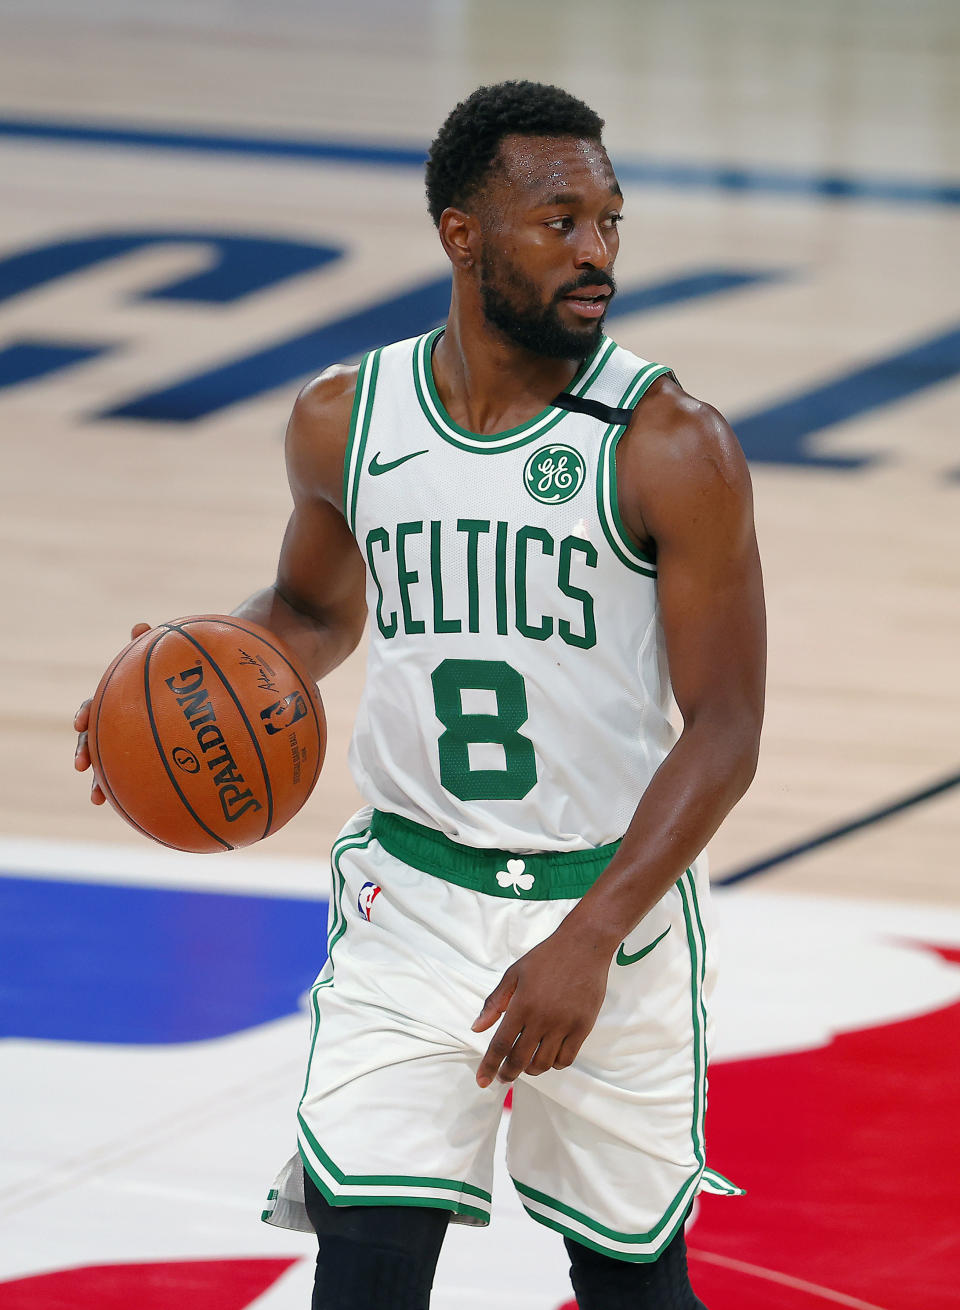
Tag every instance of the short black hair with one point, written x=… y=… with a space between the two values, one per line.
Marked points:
x=467 y=143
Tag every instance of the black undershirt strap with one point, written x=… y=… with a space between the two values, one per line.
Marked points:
x=595 y=408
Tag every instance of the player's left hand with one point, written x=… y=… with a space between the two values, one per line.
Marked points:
x=549 y=999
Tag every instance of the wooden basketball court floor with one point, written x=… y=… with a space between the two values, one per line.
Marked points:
x=200 y=205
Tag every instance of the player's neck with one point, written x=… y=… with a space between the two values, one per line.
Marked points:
x=487 y=383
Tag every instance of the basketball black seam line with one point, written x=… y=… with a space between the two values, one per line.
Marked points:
x=156 y=738
x=113 y=795
x=313 y=709
x=173 y=627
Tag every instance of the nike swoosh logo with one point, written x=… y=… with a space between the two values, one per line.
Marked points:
x=624 y=958
x=375 y=468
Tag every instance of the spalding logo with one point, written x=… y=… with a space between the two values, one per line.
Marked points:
x=368 y=894
x=186 y=760
x=236 y=798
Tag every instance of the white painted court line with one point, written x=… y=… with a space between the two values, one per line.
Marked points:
x=785 y=1280
x=150 y=865
x=206 y=1112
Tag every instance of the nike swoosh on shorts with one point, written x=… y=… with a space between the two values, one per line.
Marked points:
x=624 y=958
x=374 y=468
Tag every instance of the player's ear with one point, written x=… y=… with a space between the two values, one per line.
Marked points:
x=460 y=235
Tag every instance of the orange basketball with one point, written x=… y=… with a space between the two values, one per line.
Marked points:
x=206 y=733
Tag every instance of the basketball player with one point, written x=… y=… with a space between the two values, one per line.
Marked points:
x=548 y=534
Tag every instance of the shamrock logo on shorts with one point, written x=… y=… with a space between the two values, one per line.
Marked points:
x=514 y=876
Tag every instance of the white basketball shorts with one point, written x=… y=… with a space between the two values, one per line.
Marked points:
x=609 y=1152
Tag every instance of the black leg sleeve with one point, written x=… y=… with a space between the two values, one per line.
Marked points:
x=603 y=1283
x=371 y=1257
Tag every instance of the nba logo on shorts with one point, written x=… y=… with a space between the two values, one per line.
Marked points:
x=368 y=894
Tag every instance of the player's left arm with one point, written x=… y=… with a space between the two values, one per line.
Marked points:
x=684 y=488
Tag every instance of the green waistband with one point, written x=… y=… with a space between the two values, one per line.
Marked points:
x=544 y=876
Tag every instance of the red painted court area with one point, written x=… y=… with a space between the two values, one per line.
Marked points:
x=850 y=1156
x=849 y=1153
x=188 y=1284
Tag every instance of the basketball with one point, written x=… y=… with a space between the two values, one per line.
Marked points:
x=206 y=734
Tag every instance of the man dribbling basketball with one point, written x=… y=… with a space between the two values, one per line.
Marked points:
x=540 y=526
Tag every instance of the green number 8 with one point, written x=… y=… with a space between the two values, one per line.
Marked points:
x=511 y=783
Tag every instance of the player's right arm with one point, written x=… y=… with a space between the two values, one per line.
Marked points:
x=317 y=604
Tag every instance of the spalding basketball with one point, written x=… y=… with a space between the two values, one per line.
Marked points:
x=206 y=733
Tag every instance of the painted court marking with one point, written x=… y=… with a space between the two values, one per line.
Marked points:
x=785 y=1280
x=653 y=172
x=831 y=835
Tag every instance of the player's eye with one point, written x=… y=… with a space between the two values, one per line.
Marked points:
x=615 y=219
x=562 y=224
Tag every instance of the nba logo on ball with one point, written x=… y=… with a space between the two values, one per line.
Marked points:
x=368 y=894
x=282 y=713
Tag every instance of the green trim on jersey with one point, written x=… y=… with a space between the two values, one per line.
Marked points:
x=340 y=1188
x=642 y=1248
x=338 y=925
x=544 y=876
x=620 y=541
x=697 y=942
x=510 y=438
x=357 y=438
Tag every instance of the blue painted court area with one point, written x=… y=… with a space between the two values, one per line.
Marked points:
x=677 y=174
x=90 y=962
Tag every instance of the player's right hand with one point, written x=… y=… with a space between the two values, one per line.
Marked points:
x=81 y=721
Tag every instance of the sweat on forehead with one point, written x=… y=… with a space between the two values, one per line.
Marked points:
x=538 y=163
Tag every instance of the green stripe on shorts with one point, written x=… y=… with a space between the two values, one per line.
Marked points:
x=340 y=1188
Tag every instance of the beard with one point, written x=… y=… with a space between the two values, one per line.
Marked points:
x=512 y=302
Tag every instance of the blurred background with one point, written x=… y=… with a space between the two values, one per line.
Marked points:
x=201 y=206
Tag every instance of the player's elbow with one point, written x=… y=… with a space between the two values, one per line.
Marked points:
x=742 y=738
x=747 y=762
x=728 y=735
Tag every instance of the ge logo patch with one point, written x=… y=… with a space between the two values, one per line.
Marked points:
x=554 y=474
x=368 y=894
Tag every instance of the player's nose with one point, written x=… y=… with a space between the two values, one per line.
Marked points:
x=593 y=250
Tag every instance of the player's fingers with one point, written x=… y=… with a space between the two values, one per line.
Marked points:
x=496 y=1003
x=81 y=756
x=544 y=1056
x=138 y=630
x=82 y=717
x=569 y=1050
x=501 y=1044
x=518 y=1057
x=96 y=795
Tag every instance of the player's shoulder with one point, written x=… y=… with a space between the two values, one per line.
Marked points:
x=328 y=398
x=318 y=431
x=672 y=429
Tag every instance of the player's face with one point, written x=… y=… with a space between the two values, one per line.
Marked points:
x=549 y=225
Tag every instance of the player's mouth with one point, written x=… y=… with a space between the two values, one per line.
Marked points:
x=589 y=302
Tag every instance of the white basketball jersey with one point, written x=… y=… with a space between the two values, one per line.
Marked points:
x=517 y=693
